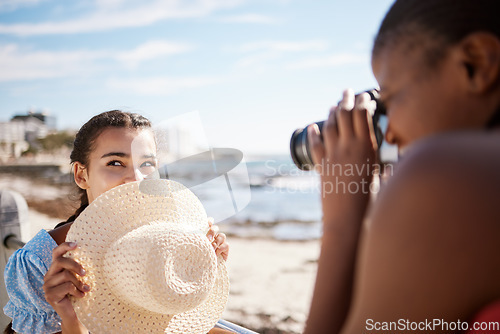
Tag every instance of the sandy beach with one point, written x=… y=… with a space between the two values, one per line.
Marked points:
x=271 y=281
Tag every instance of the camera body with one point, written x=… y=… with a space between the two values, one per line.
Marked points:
x=299 y=144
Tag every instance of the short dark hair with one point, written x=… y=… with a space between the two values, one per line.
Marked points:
x=446 y=21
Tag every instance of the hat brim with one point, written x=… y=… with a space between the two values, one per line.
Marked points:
x=108 y=218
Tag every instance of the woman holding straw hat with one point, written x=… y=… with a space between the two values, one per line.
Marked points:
x=424 y=256
x=111 y=150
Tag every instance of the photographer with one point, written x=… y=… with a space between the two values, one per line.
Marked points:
x=427 y=248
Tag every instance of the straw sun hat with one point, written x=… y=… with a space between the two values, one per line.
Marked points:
x=149 y=264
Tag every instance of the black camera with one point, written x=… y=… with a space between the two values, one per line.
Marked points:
x=299 y=145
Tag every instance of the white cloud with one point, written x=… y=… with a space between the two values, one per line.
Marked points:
x=329 y=61
x=25 y=64
x=20 y=64
x=109 y=4
x=151 y=50
x=119 y=14
x=160 y=86
x=284 y=46
x=249 y=18
x=264 y=51
x=256 y=59
x=10 y=5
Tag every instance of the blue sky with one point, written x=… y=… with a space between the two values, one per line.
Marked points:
x=254 y=70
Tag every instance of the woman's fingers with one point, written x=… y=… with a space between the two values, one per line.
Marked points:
x=344 y=115
x=218 y=240
x=55 y=294
x=64 y=277
x=364 y=108
x=223 y=250
x=315 y=144
x=350 y=119
x=339 y=124
x=212 y=232
x=221 y=246
x=330 y=130
x=61 y=279
x=61 y=263
x=62 y=249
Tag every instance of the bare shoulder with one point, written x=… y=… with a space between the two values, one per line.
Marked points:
x=59 y=233
x=455 y=153
x=461 y=168
x=429 y=249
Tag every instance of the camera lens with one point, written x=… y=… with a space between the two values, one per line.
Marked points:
x=299 y=144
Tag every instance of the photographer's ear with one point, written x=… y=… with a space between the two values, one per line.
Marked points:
x=480 y=56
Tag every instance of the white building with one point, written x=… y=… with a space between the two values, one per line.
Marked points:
x=12 y=140
x=34 y=128
x=22 y=131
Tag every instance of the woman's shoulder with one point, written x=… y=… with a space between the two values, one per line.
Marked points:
x=59 y=233
x=24 y=277
x=432 y=231
x=443 y=199
x=467 y=147
x=451 y=176
x=36 y=253
x=461 y=161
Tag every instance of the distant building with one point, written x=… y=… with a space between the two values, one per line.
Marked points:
x=12 y=140
x=22 y=131
x=45 y=118
x=34 y=128
x=37 y=125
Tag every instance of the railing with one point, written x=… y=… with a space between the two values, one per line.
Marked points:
x=12 y=242
x=13 y=213
x=224 y=324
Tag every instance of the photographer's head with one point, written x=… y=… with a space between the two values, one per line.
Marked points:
x=438 y=66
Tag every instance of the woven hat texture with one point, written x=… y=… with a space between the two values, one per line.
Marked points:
x=149 y=264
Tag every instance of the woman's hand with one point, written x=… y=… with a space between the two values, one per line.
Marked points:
x=346 y=157
x=217 y=239
x=60 y=282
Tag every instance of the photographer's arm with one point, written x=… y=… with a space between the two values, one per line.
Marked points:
x=427 y=257
x=344 y=160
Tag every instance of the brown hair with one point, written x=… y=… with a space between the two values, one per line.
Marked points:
x=87 y=135
x=8 y=329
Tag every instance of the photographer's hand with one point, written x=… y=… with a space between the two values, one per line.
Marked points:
x=345 y=160
x=346 y=157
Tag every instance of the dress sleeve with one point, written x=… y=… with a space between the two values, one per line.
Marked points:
x=27 y=307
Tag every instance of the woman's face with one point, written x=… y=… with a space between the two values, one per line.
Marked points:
x=421 y=100
x=120 y=155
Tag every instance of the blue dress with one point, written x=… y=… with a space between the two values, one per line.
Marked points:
x=24 y=273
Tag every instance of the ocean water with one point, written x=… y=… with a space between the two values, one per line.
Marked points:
x=266 y=197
